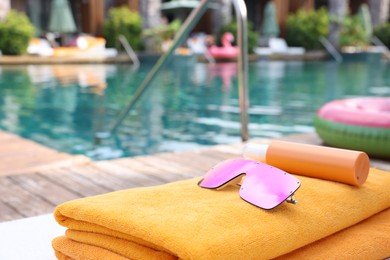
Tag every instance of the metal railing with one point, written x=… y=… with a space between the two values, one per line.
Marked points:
x=331 y=49
x=130 y=52
x=375 y=40
x=188 y=25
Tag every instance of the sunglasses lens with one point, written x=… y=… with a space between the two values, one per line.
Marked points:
x=223 y=173
x=268 y=188
x=264 y=186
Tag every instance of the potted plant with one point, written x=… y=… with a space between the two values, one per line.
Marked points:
x=160 y=37
x=16 y=31
x=355 y=37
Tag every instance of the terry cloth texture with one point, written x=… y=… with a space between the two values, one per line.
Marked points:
x=368 y=239
x=182 y=220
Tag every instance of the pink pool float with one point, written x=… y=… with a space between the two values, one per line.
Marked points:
x=227 y=51
x=356 y=123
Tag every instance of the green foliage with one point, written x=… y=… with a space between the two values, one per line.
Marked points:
x=161 y=33
x=16 y=30
x=164 y=31
x=253 y=36
x=353 y=33
x=383 y=33
x=305 y=28
x=121 y=20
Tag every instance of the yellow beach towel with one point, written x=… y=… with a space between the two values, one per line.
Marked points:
x=368 y=239
x=181 y=220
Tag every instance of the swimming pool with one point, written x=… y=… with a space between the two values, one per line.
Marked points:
x=189 y=105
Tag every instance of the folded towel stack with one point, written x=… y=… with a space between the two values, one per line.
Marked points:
x=182 y=220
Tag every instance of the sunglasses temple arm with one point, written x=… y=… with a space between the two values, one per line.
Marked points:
x=291 y=199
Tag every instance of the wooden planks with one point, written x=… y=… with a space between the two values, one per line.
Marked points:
x=21 y=201
x=21 y=156
x=7 y=212
x=39 y=192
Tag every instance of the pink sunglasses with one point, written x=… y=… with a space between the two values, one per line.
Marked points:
x=263 y=185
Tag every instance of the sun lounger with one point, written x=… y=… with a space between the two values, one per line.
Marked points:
x=29 y=238
x=331 y=221
x=278 y=46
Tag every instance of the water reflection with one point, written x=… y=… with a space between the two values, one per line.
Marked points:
x=91 y=77
x=225 y=71
x=188 y=105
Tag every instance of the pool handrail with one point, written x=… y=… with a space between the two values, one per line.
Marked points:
x=190 y=22
x=331 y=49
x=129 y=50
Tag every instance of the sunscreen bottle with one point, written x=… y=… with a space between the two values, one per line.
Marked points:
x=341 y=165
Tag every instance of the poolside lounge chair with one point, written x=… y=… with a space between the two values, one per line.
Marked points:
x=197 y=45
x=280 y=47
x=39 y=47
x=84 y=46
x=182 y=220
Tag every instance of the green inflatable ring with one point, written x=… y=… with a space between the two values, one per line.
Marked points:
x=373 y=140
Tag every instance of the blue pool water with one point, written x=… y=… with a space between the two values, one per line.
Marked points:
x=189 y=105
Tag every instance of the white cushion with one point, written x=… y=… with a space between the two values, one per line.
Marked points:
x=29 y=238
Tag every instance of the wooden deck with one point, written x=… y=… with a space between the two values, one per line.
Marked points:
x=36 y=190
x=21 y=156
